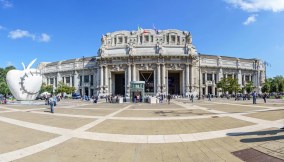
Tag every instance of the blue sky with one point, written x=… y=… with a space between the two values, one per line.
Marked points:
x=55 y=30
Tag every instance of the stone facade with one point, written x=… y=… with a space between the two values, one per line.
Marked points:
x=166 y=60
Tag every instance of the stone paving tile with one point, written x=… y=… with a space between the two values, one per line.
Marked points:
x=168 y=127
x=15 y=137
x=156 y=106
x=24 y=107
x=87 y=150
x=90 y=112
x=269 y=141
x=162 y=113
x=231 y=108
x=104 y=105
x=269 y=115
x=50 y=120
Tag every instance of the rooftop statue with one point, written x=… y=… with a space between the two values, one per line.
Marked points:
x=24 y=85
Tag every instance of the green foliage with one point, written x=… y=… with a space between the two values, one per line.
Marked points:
x=249 y=87
x=63 y=88
x=46 y=88
x=229 y=84
x=275 y=84
x=4 y=89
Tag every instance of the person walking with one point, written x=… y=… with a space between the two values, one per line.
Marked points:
x=264 y=97
x=209 y=97
x=169 y=99
x=254 y=97
x=191 y=98
x=51 y=103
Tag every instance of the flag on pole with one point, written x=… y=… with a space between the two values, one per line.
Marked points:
x=156 y=31
x=141 y=30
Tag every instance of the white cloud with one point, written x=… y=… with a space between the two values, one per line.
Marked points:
x=250 y=19
x=258 y=5
x=44 y=37
x=6 y=3
x=18 y=34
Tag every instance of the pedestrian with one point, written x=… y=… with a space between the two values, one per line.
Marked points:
x=169 y=99
x=264 y=97
x=51 y=103
x=209 y=97
x=191 y=98
x=254 y=97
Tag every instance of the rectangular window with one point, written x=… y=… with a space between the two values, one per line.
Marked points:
x=125 y=39
x=55 y=82
x=178 y=39
x=81 y=80
x=114 y=40
x=73 y=85
x=92 y=80
x=230 y=76
x=209 y=77
x=168 y=38
x=224 y=75
x=215 y=78
x=152 y=38
x=86 y=79
x=47 y=81
x=173 y=39
x=146 y=38
x=235 y=76
x=119 y=40
x=203 y=78
x=243 y=80
x=140 y=39
x=247 y=78
x=67 y=80
x=52 y=81
x=63 y=80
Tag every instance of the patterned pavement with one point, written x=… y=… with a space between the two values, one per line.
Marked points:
x=180 y=131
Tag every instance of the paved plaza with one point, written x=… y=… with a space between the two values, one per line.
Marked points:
x=217 y=130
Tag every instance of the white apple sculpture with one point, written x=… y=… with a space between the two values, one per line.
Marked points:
x=24 y=85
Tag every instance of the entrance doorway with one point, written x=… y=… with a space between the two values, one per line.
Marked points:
x=119 y=84
x=210 y=90
x=86 y=91
x=148 y=77
x=174 y=83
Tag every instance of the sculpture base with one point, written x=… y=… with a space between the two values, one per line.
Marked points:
x=26 y=102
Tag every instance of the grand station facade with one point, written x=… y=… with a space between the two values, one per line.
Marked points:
x=166 y=60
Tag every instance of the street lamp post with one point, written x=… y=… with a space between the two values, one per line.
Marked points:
x=199 y=96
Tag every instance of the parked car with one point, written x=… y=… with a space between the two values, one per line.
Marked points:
x=76 y=96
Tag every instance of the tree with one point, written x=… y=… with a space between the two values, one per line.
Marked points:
x=249 y=87
x=265 y=87
x=233 y=85
x=46 y=88
x=223 y=84
x=229 y=84
x=63 y=88
x=4 y=89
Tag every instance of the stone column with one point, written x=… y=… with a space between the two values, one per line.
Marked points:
x=134 y=72
x=240 y=77
x=192 y=77
x=164 y=77
x=101 y=78
x=187 y=77
x=106 y=79
x=158 y=78
x=129 y=74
